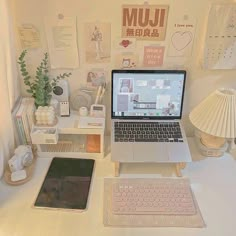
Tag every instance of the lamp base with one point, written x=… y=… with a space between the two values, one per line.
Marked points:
x=210 y=146
x=211 y=141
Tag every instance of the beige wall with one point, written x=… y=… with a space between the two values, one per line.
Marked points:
x=200 y=82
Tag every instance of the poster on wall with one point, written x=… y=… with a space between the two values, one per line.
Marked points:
x=144 y=22
x=29 y=36
x=62 y=41
x=182 y=37
x=220 y=43
x=153 y=56
x=126 y=60
x=97 y=42
x=125 y=44
x=96 y=77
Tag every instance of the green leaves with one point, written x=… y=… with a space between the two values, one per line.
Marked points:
x=24 y=72
x=41 y=86
x=29 y=90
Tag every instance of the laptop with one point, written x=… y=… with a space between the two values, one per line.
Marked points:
x=146 y=111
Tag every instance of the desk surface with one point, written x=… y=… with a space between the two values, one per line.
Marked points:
x=212 y=180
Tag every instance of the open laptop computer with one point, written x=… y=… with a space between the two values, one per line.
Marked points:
x=152 y=100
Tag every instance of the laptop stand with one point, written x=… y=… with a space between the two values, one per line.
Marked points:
x=178 y=167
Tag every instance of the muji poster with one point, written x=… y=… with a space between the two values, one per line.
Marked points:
x=146 y=22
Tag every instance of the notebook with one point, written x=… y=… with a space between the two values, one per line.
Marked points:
x=146 y=111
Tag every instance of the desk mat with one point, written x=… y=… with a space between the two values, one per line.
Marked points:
x=110 y=219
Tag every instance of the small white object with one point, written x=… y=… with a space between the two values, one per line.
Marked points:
x=97 y=110
x=18 y=175
x=25 y=154
x=15 y=163
x=21 y=149
x=83 y=111
x=64 y=108
x=61 y=91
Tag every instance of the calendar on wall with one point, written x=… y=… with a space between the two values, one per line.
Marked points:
x=220 y=43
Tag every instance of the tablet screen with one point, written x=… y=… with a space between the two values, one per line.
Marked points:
x=66 y=184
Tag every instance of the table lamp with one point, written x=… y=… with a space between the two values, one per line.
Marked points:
x=215 y=118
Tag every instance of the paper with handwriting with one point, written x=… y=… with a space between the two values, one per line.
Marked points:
x=182 y=37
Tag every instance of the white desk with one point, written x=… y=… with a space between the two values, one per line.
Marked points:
x=213 y=182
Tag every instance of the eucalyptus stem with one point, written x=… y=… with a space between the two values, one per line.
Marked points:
x=41 y=86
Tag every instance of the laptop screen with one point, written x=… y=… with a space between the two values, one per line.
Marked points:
x=149 y=94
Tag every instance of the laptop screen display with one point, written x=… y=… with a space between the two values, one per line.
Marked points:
x=156 y=94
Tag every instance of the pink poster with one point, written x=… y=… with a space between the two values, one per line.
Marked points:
x=153 y=56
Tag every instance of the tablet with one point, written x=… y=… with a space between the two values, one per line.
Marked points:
x=66 y=184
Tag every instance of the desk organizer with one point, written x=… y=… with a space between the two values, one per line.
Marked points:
x=71 y=139
x=44 y=135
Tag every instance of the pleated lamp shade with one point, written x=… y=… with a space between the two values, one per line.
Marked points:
x=216 y=114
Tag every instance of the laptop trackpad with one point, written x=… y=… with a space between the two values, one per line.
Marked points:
x=122 y=152
x=150 y=152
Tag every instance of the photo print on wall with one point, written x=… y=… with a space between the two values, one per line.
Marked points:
x=97 y=42
x=96 y=77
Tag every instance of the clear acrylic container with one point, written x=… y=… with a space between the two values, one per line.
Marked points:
x=209 y=151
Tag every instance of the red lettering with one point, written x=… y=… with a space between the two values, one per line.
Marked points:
x=154 y=23
x=162 y=17
x=146 y=17
x=130 y=18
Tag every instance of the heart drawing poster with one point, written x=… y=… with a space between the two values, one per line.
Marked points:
x=182 y=37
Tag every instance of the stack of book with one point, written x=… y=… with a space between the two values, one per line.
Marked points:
x=23 y=118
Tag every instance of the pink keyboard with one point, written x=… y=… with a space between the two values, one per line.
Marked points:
x=153 y=196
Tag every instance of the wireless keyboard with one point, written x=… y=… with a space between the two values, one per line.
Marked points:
x=155 y=196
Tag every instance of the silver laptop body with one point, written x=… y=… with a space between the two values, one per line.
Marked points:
x=146 y=110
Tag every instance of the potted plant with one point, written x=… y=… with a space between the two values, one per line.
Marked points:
x=42 y=85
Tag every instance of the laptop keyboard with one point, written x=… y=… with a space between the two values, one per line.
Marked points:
x=148 y=132
x=167 y=196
